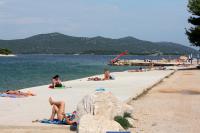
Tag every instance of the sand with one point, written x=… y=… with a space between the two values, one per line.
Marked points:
x=170 y=107
x=22 y=111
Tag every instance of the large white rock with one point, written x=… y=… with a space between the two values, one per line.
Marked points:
x=96 y=112
x=102 y=104
x=97 y=124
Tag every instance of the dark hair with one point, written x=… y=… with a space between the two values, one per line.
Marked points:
x=56 y=76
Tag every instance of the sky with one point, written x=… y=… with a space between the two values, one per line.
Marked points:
x=152 y=20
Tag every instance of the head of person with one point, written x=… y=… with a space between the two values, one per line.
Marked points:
x=56 y=77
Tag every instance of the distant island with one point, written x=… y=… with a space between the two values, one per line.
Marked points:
x=57 y=43
x=5 y=51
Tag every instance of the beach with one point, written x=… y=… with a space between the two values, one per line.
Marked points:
x=127 y=85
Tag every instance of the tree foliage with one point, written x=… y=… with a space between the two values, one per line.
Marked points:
x=194 y=32
x=5 y=51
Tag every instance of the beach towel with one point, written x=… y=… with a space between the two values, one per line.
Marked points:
x=71 y=117
x=61 y=87
x=55 y=121
x=10 y=95
x=58 y=122
x=100 y=89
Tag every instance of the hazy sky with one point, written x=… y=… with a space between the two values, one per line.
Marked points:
x=153 y=20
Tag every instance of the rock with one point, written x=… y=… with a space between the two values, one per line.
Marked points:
x=97 y=124
x=96 y=112
x=131 y=121
x=102 y=104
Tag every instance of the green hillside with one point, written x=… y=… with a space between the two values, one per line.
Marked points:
x=56 y=43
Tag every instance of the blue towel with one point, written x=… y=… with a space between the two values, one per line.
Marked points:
x=100 y=89
x=55 y=121
x=8 y=95
x=58 y=122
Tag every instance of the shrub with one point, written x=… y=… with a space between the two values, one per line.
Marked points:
x=127 y=115
x=123 y=122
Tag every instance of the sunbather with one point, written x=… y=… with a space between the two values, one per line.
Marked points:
x=58 y=108
x=94 y=79
x=20 y=93
x=107 y=76
x=137 y=70
x=56 y=82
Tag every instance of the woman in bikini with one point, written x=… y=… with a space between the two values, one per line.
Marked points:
x=58 y=108
x=107 y=76
x=19 y=93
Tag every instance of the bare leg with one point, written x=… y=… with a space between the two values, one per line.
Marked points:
x=58 y=108
x=61 y=111
x=13 y=92
x=54 y=112
x=57 y=103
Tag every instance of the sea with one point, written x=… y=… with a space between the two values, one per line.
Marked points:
x=23 y=71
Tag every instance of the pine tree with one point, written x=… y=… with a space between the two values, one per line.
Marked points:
x=194 y=32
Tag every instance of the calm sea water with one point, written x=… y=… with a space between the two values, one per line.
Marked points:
x=25 y=71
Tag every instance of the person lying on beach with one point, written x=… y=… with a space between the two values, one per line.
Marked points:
x=56 y=82
x=161 y=68
x=107 y=76
x=94 y=79
x=58 y=108
x=137 y=70
x=20 y=93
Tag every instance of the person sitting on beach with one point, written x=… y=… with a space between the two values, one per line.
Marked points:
x=107 y=75
x=20 y=93
x=58 y=108
x=56 y=82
